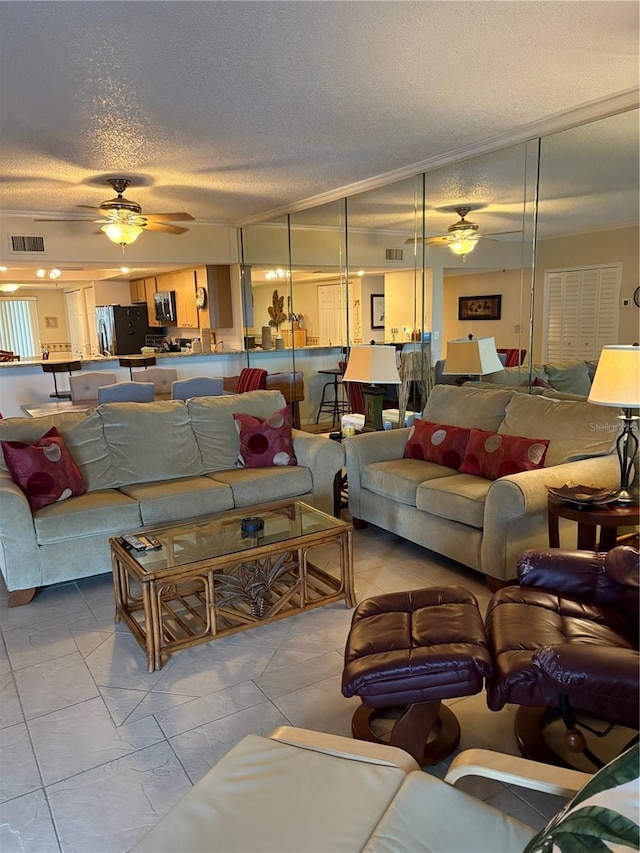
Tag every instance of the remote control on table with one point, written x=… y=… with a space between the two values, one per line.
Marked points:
x=152 y=543
x=133 y=542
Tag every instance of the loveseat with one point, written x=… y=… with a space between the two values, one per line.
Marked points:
x=145 y=464
x=482 y=523
x=310 y=792
x=570 y=379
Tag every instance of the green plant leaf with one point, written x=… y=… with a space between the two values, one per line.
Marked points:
x=600 y=822
x=622 y=769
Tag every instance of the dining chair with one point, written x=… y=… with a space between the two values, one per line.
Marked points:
x=126 y=392
x=197 y=386
x=251 y=379
x=85 y=386
x=161 y=377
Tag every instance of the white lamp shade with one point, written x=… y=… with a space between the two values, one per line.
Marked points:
x=375 y=365
x=476 y=356
x=617 y=378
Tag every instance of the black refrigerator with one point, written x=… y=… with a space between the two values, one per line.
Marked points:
x=122 y=329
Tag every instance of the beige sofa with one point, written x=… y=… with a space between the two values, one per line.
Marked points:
x=309 y=792
x=484 y=524
x=146 y=464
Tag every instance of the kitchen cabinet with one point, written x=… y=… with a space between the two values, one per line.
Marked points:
x=150 y=287
x=184 y=284
x=138 y=293
x=218 y=311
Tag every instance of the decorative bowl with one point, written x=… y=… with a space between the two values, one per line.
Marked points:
x=582 y=495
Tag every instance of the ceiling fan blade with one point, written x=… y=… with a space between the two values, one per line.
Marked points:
x=77 y=219
x=428 y=241
x=177 y=217
x=164 y=226
x=93 y=209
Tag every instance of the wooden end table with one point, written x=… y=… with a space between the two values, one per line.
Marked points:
x=209 y=579
x=608 y=517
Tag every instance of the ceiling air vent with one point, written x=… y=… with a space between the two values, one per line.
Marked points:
x=393 y=254
x=26 y=243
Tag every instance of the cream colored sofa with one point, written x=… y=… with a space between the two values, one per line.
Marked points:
x=484 y=524
x=146 y=464
x=309 y=792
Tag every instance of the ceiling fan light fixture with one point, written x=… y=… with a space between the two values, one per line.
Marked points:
x=463 y=245
x=122 y=233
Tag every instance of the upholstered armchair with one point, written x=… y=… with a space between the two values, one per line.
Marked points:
x=565 y=642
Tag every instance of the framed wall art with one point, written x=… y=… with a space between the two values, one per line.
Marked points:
x=479 y=307
x=377 y=310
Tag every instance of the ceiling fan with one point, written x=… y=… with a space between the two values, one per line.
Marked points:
x=124 y=221
x=462 y=236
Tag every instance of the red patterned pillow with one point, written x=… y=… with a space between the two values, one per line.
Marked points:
x=540 y=383
x=492 y=455
x=441 y=443
x=45 y=471
x=264 y=443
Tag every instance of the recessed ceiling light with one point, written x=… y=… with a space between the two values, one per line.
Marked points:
x=3 y=269
x=125 y=269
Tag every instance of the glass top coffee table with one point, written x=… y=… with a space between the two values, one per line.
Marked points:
x=210 y=578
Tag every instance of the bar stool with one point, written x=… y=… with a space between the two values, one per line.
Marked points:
x=137 y=361
x=332 y=403
x=61 y=367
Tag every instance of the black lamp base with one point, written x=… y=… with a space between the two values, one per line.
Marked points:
x=373 y=397
x=627 y=448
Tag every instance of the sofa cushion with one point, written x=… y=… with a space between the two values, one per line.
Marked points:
x=265 y=442
x=516 y=375
x=467 y=406
x=576 y=430
x=257 y=485
x=399 y=479
x=104 y=511
x=173 y=500
x=82 y=433
x=150 y=441
x=570 y=376
x=440 y=443
x=493 y=455
x=45 y=470
x=214 y=429
x=458 y=498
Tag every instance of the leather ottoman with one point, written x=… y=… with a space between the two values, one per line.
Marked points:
x=408 y=651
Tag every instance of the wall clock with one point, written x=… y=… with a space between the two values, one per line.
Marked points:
x=636 y=296
x=201 y=297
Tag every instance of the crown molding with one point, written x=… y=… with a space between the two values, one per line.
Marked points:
x=620 y=102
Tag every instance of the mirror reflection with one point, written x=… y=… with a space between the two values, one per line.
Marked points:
x=535 y=246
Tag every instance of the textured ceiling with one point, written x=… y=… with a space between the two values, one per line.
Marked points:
x=232 y=110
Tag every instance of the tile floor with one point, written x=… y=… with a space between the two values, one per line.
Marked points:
x=94 y=750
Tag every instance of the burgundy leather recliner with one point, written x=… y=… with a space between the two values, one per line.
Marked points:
x=566 y=639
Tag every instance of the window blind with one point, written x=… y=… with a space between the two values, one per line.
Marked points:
x=19 y=326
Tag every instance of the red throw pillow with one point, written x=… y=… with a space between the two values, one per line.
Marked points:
x=45 y=471
x=440 y=443
x=492 y=455
x=264 y=443
x=540 y=383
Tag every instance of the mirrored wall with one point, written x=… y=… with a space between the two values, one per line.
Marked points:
x=382 y=266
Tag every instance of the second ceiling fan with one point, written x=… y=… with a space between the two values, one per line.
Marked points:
x=462 y=236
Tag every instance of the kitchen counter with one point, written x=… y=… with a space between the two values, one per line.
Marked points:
x=24 y=383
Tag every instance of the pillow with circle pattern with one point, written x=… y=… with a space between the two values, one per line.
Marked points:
x=493 y=455
x=265 y=442
x=45 y=471
x=440 y=443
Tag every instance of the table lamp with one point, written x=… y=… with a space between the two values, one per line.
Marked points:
x=373 y=366
x=472 y=356
x=617 y=383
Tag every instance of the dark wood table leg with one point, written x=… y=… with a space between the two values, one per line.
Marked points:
x=586 y=537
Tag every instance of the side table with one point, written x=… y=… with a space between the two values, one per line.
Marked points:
x=608 y=517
